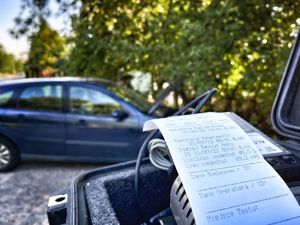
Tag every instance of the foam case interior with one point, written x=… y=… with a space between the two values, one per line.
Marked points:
x=110 y=195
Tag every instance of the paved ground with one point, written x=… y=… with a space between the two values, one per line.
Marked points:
x=24 y=192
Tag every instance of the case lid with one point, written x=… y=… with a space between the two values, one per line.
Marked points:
x=286 y=108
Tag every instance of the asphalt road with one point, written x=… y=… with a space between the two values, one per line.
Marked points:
x=24 y=192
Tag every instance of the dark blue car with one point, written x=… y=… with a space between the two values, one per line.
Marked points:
x=71 y=119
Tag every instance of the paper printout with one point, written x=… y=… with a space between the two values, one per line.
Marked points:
x=263 y=144
x=226 y=179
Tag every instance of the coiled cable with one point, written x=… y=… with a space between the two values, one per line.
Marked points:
x=158 y=151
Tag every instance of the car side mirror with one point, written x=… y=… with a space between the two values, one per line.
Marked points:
x=120 y=114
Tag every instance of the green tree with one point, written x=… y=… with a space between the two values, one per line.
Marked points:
x=46 y=48
x=241 y=47
x=19 y=65
x=228 y=44
x=8 y=63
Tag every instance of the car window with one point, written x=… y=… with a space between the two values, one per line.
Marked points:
x=41 y=97
x=89 y=101
x=5 y=97
x=132 y=96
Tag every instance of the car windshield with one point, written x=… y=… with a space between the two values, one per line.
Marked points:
x=137 y=99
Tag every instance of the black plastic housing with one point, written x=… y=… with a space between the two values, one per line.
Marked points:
x=286 y=108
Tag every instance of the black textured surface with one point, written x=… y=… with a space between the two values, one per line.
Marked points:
x=110 y=196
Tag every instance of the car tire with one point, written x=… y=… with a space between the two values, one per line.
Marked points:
x=9 y=155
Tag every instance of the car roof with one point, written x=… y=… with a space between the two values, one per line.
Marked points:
x=18 y=81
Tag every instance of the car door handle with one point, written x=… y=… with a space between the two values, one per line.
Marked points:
x=81 y=122
x=21 y=116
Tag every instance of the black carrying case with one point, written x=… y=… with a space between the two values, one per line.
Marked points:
x=286 y=108
x=106 y=195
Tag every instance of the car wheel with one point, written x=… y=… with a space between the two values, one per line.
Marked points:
x=9 y=156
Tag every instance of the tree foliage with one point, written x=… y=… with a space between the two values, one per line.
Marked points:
x=8 y=63
x=46 y=48
x=240 y=47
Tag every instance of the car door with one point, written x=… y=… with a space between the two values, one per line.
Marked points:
x=38 y=122
x=92 y=130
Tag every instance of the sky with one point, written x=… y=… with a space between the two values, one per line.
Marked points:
x=9 y=9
